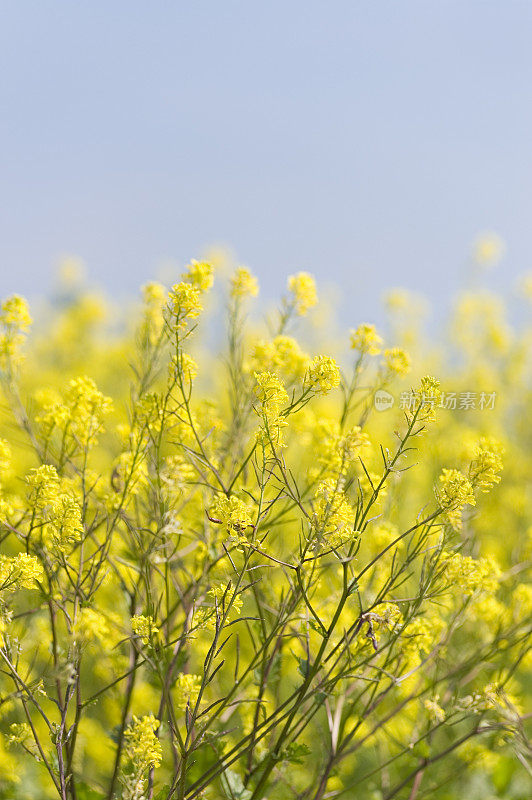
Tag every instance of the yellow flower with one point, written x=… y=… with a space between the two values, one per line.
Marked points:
x=273 y=396
x=430 y=389
x=130 y=474
x=428 y=395
x=244 y=284
x=59 y=511
x=20 y=733
x=365 y=339
x=522 y=601
x=154 y=294
x=224 y=590
x=486 y=464
x=323 y=374
x=185 y=365
x=488 y=610
x=87 y=407
x=304 y=295
x=14 y=313
x=454 y=492
x=185 y=303
x=142 y=747
x=15 y=321
x=90 y=625
x=186 y=690
x=200 y=274
x=177 y=472
x=144 y=627
x=335 y=452
x=333 y=515
x=469 y=574
x=79 y=416
x=480 y=325
x=270 y=390
x=497 y=698
x=397 y=361
x=383 y=535
x=20 y=571
x=232 y=513
x=282 y=355
x=420 y=636
x=352 y=443
x=44 y=481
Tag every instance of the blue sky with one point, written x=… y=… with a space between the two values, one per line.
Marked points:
x=367 y=142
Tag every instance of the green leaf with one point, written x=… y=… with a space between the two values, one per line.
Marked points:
x=295 y=753
x=303 y=666
x=318 y=628
x=233 y=786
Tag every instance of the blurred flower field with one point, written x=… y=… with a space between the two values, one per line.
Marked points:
x=228 y=572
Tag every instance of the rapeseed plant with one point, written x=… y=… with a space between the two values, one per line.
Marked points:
x=236 y=578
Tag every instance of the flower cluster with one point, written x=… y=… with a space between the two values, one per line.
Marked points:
x=282 y=355
x=322 y=375
x=454 y=492
x=57 y=512
x=303 y=289
x=232 y=513
x=486 y=465
x=469 y=574
x=15 y=321
x=244 y=284
x=19 y=572
x=200 y=274
x=91 y=626
x=273 y=397
x=186 y=690
x=337 y=451
x=397 y=361
x=143 y=751
x=144 y=627
x=78 y=416
x=420 y=636
x=334 y=517
x=365 y=339
x=185 y=303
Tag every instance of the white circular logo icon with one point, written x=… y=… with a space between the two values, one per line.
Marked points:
x=383 y=400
